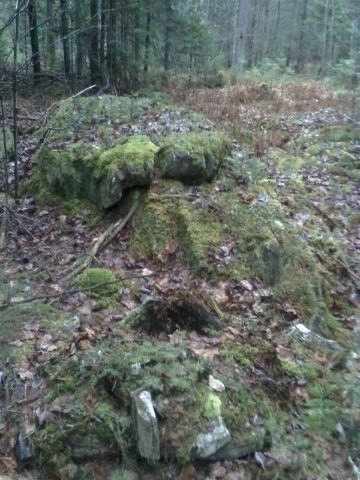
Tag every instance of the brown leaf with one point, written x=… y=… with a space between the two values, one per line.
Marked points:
x=8 y=467
x=84 y=344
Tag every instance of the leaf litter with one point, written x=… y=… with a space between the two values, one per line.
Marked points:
x=43 y=242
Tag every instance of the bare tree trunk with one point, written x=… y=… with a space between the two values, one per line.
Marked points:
x=80 y=41
x=103 y=7
x=64 y=26
x=266 y=34
x=325 y=40
x=137 y=64
x=167 y=43
x=93 y=52
x=34 y=40
x=273 y=47
x=111 y=41
x=15 y=93
x=236 y=33
x=50 y=32
x=147 y=36
x=250 y=38
x=300 y=63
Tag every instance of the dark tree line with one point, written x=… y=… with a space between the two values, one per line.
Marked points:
x=128 y=43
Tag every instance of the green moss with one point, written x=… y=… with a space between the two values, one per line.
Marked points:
x=123 y=474
x=163 y=368
x=354 y=219
x=199 y=232
x=322 y=409
x=212 y=407
x=244 y=354
x=316 y=149
x=302 y=370
x=132 y=159
x=168 y=222
x=84 y=170
x=155 y=227
x=95 y=415
x=80 y=114
x=285 y=161
x=14 y=320
x=68 y=172
x=192 y=157
x=340 y=134
x=100 y=281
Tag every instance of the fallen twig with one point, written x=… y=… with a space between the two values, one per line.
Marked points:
x=72 y=291
x=105 y=239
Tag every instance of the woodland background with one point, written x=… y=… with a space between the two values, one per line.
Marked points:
x=130 y=44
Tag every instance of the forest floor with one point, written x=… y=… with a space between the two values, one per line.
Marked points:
x=295 y=140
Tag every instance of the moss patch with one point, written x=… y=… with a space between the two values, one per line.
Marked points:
x=84 y=170
x=94 y=407
x=192 y=157
x=100 y=283
x=14 y=344
x=167 y=223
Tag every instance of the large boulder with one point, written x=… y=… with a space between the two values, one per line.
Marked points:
x=83 y=170
x=192 y=157
x=86 y=170
x=95 y=148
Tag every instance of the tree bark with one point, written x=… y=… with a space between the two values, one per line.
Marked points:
x=51 y=37
x=167 y=42
x=95 y=74
x=300 y=63
x=64 y=26
x=147 y=36
x=34 y=40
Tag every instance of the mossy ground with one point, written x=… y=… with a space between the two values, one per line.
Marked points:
x=169 y=222
x=256 y=224
x=15 y=321
x=93 y=393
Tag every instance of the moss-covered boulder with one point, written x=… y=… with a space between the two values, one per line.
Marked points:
x=84 y=170
x=92 y=148
x=192 y=157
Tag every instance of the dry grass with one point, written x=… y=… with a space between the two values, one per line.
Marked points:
x=262 y=115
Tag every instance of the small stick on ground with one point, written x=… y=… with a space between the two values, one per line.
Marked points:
x=105 y=239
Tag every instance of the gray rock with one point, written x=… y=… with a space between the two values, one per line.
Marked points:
x=304 y=334
x=192 y=157
x=254 y=441
x=210 y=442
x=146 y=426
x=23 y=451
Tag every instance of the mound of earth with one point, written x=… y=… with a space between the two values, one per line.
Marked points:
x=213 y=335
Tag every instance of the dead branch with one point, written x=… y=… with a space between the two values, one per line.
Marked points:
x=332 y=223
x=22 y=301
x=56 y=104
x=20 y=117
x=105 y=239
